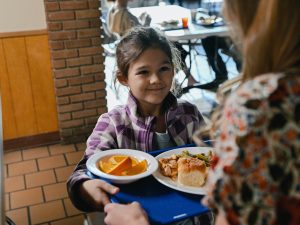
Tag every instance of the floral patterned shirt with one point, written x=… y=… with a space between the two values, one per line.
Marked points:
x=257 y=176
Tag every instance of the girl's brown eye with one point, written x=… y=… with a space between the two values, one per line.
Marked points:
x=142 y=72
x=165 y=68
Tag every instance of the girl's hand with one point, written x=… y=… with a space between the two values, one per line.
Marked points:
x=95 y=191
x=118 y=214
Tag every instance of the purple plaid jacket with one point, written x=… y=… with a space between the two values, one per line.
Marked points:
x=123 y=127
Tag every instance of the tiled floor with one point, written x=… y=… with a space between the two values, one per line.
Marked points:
x=35 y=185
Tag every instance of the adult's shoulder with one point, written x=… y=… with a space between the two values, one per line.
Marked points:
x=264 y=86
x=258 y=88
x=260 y=98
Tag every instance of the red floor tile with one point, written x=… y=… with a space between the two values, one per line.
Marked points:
x=14 y=184
x=35 y=153
x=81 y=146
x=74 y=157
x=7 y=204
x=62 y=174
x=40 y=178
x=47 y=212
x=19 y=216
x=71 y=210
x=60 y=149
x=11 y=157
x=55 y=191
x=51 y=162
x=27 y=197
x=23 y=167
x=70 y=221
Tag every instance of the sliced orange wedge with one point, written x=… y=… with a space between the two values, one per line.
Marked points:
x=134 y=161
x=116 y=159
x=138 y=168
x=123 y=165
x=105 y=166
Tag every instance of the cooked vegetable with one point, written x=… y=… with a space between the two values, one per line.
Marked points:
x=202 y=156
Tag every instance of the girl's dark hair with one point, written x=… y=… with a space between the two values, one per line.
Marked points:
x=139 y=39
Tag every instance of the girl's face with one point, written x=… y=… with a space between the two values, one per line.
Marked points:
x=150 y=78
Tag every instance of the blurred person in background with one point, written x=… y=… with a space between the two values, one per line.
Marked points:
x=120 y=19
x=213 y=44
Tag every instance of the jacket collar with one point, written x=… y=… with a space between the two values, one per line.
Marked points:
x=133 y=112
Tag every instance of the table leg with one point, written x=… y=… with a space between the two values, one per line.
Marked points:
x=190 y=56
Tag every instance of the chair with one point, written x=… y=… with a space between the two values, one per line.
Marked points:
x=110 y=40
x=234 y=53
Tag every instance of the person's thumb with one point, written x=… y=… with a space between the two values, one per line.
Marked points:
x=109 y=188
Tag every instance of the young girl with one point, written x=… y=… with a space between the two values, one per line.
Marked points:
x=151 y=119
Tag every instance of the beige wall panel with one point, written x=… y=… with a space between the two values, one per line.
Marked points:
x=42 y=83
x=9 y=122
x=22 y=15
x=20 y=83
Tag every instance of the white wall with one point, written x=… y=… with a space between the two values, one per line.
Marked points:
x=22 y=15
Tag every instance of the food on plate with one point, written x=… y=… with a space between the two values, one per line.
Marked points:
x=189 y=169
x=210 y=20
x=192 y=171
x=122 y=165
x=170 y=22
x=168 y=166
x=206 y=158
x=207 y=21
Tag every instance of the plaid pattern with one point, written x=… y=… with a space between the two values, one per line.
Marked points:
x=123 y=127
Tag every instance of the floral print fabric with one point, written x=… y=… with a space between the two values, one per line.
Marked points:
x=257 y=176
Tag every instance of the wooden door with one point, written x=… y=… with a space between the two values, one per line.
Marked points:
x=27 y=87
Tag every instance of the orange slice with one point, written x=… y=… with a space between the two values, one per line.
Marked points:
x=123 y=165
x=116 y=159
x=105 y=166
x=138 y=168
x=134 y=161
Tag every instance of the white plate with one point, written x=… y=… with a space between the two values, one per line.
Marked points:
x=92 y=165
x=173 y=183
